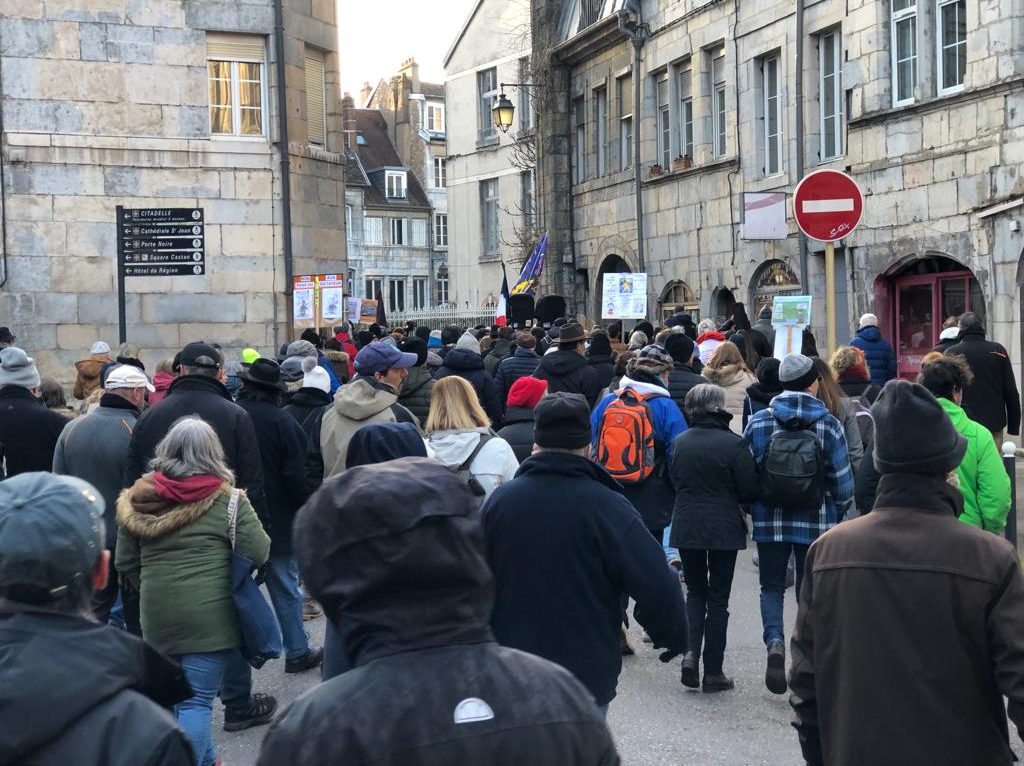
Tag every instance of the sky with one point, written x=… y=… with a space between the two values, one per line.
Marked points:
x=376 y=36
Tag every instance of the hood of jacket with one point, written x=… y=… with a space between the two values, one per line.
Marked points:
x=434 y=360
x=597 y=359
x=525 y=353
x=452 y=448
x=363 y=398
x=418 y=377
x=726 y=375
x=927 y=494
x=798 y=405
x=310 y=398
x=641 y=387
x=567 y=467
x=518 y=415
x=715 y=420
x=199 y=383
x=162 y=381
x=96 y=663
x=762 y=394
x=502 y=348
x=463 y=360
x=403 y=567
x=91 y=366
x=381 y=442
x=559 y=363
x=871 y=334
x=148 y=516
x=957 y=414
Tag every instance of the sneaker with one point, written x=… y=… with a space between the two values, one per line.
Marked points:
x=691 y=673
x=311 y=610
x=717 y=683
x=257 y=712
x=627 y=649
x=311 y=659
x=775 y=671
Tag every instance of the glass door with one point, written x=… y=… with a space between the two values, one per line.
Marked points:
x=915 y=324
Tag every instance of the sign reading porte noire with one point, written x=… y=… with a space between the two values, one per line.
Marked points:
x=161 y=242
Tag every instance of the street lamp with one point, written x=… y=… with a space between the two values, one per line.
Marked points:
x=503 y=112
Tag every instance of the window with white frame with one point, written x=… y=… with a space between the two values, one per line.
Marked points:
x=579 y=162
x=374 y=287
x=489 y=215
x=433 y=117
x=373 y=230
x=625 y=94
x=440 y=230
x=718 y=110
x=398 y=236
x=487 y=91
x=396 y=294
x=664 y=122
x=771 y=89
x=601 y=130
x=316 y=98
x=417 y=232
x=951 y=37
x=442 y=288
x=830 y=95
x=526 y=115
x=349 y=234
x=395 y=183
x=236 y=71
x=419 y=293
x=440 y=172
x=528 y=194
x=684 y=89
x=904 y=51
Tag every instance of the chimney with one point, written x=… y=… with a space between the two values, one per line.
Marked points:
x=411 y=70
x=364 y=94
x=348 y=122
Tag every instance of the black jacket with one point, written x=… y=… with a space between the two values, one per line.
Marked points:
x=415 y=393
x=992 y=398
x=208 y=399
x=500 y=351
x=521 y=364
x=561 y=576
x=568 y=371
x=862 y=389
x=714 y=474
x=28 y=432
x=407 y=584
x=680 y=380
x=468 y=364
x=282 y=445
x=758 y=398
x=77 y=692
x=307 y=407
x=517 y=430
x=604 y=367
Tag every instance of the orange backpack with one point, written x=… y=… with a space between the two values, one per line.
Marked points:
x=625 y=440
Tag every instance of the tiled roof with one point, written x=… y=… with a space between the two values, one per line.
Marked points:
x=432 y=89
x=376 y=152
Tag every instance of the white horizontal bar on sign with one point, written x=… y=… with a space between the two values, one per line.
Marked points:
x=827 y=205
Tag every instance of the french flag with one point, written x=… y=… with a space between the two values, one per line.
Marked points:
x=501 y=312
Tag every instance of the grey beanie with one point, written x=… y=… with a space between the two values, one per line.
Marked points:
x=18 y=369
x=301 y=348
x=797 y=372
x=468 y=340
x=913 y=434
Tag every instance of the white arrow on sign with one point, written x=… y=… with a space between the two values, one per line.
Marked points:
x=827 y=205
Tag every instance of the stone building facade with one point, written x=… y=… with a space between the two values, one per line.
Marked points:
x=108 y=102
x=920 y=101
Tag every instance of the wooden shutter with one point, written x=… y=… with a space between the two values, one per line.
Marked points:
x=419 y=232
x=718 y=67
x=315 y=125
x=625 y=96
x=373 y=231
x=222 y=47
x=685 y=83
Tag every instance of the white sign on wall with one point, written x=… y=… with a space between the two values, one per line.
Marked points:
x=624 y=296
x=764 y=215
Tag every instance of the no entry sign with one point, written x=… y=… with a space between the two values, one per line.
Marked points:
x=828 y=205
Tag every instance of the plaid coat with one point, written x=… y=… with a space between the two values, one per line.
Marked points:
x=778 y=524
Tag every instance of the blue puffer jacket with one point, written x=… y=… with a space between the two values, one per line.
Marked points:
x=521 y=364
x=878 y=354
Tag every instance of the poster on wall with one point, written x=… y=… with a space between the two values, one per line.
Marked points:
x=790 y=315
x=332 y=298
x=304 y=301
x=764 y=216
x=624 y=296
x=361 y=310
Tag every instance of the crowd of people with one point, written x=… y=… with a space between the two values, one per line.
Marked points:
x=473 y=509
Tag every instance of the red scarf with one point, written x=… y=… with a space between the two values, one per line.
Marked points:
x=713 y=335
x=187 y=490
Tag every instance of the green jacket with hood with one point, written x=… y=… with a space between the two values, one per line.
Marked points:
x=984 y=482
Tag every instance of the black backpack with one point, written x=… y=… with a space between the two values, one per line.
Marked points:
x=792 y=473
x=467 y=478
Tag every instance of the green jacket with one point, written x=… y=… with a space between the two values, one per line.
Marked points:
x=178 y=556
x=984 y=482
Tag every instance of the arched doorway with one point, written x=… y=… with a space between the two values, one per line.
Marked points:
x=723 y=304
x=917 y=297
x=678 y=298
x=771 y=278
x=612 y=264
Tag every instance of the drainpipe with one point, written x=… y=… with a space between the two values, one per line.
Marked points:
x=636 y=32
x=3 y=189
x=798 y=87
x=286 y=170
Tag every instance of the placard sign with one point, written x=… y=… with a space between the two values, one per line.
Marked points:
x=624 y=296
x=304 y=301
x=790 y=315
x=332 y=298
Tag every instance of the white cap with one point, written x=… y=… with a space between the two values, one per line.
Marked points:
x=868 y=320
x=126 y=376
x=950 y=333
x=99 y=347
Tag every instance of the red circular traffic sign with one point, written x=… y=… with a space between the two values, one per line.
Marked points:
x=828 y=205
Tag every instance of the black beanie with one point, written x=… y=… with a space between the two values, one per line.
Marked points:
x=312 y=336
x=600 y=345
x=680 y=346
x=415 y=346
x=768 y=374
x=913 y=434
x=423 y=333
x=562 y=421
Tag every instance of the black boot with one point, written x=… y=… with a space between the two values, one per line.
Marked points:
x=691 y=672
x=258 y=711
x=717 y=683
x=311 y=659
x=775 y=672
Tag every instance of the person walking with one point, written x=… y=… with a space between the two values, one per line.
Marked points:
x=794 y=510
x=852 y=375
x=94 y=448
x=991 y=398
x=764 y=326
x=878 y=353
x=28 y=430
x=465 y=361
x=726 y=368
x=87 y=378
x=519 y=415
x=565 y=546
x=418 y=385
x=521 y=364
x=174 y=544
x=459 y=433
x=911 y=625
x=395 y=553
x=761 y=393
x=981 y=476
x=566 y=369
x=282 y=445
x=714 y=476
x=74 y=691
x=843 y=408
x=708 y=339
x=682 y=378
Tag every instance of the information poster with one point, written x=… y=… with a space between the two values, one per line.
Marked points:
x=332 y=298
x=624 y=296
x=790 y=315
x=361 y=310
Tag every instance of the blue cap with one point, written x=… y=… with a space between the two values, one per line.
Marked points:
x=381 y=357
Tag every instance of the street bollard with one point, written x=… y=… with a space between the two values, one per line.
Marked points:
x=1010 y=463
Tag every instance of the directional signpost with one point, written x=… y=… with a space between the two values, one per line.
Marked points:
x=828 y=205
x=158 y=242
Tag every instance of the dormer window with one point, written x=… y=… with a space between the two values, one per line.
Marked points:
x=395 y=182
x=434 y=118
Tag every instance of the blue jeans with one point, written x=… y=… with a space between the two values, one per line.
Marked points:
x=774 y=559
x=671 y=554
x=204 y=672
x=286 y=596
